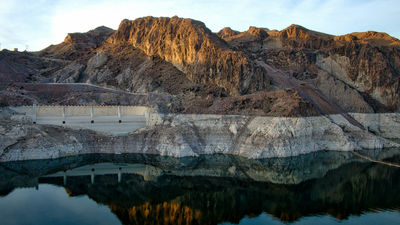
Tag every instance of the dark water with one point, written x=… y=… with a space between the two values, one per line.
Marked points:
x=319 y=188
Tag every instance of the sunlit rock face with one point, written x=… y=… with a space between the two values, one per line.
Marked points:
x=195 y=50
x=178 y=66
x=359 y=72
x=75 y=44
x=226 y=33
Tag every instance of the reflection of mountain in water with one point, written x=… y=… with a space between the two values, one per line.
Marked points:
x=160 y=213
x=213 y=189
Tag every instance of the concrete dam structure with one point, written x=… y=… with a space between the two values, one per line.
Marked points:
x=117 y=120
x=137 y=129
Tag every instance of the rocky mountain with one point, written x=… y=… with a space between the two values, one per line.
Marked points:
x=292 y=72
x=192 y=48
x=75 y=44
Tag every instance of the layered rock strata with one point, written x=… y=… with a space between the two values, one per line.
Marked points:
x=194 y=135
x=359 y=72
x=195 y=50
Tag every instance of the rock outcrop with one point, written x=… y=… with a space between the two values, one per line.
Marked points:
x=226 y=32
x=76 y=45
x=181 y=135
x=191 y=47
x=366 y=62
x=250 y=40
x=357 y=72
x=371 y=70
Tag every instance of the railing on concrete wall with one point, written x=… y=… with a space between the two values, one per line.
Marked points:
x=89 y=112
x=118 y=120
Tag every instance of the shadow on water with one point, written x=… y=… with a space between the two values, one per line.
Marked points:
x=147 y=189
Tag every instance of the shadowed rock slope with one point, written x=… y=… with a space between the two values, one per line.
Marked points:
x=359 y=71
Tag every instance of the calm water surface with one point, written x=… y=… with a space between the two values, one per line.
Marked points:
x=319 y=188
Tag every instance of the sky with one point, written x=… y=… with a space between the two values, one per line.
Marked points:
x=35 y=24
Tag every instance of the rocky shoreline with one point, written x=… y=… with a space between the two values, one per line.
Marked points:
x=259 y=93
x=191 y=135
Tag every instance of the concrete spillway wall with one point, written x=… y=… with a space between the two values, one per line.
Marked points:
x=181 y=135
x=88 y=110
x=57 y=110
x=117 y=120
x=71 y=111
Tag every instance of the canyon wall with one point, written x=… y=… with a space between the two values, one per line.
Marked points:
x=180 y=135
x=191 y=47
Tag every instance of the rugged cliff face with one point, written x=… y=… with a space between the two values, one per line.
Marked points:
x=77 y=45
x=195 y=50
x=292 y=72
x=359 y=71
x=180 y=135
x=227 y=32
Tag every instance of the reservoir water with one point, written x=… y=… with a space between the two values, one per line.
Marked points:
x=320 y=188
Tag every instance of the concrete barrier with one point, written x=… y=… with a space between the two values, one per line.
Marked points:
x=134 y=110
x=118 y=120
x=69 y=110
x=77 y=111
x=49 y=111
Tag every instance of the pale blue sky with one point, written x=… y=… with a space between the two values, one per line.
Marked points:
x=39 y=23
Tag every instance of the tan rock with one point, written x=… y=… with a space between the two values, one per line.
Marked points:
x=195 y=50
